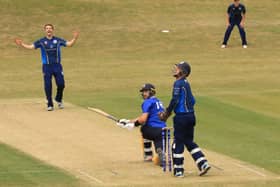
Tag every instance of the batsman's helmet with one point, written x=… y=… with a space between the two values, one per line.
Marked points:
x=148 y=87
x=184 y=67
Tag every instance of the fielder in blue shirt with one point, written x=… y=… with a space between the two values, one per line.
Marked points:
x=235 y=16
x=182 y=103
x=50 y=47
x=151 y=125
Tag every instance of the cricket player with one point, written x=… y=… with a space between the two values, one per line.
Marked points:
x=182 y=103
x=151 y=125
x=50 y=47
x=235 y=16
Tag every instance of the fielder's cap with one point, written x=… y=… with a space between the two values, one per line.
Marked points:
x=184 y=67
x=147 y=86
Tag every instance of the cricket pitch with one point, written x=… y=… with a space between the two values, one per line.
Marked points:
x=93 y=149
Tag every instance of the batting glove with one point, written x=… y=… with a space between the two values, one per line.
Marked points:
x=122 y=122
x=129 y=126
x=125 y=123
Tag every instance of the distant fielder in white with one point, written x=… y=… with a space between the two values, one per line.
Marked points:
x=51 y=59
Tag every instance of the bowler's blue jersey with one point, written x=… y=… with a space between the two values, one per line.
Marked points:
x=50 y=49
x=153 y=106
x=182 y=100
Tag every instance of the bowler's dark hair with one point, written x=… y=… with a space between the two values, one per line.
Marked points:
x=48 y=24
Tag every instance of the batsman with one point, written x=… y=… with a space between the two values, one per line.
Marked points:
x=151 y=125
x=182 y=103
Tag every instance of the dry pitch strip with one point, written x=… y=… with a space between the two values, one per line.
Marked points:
x=93 y=149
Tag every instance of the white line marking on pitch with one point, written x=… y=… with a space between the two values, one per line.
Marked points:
x=90 y=177
x=250 y=169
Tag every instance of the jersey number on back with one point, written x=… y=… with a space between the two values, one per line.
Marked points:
x=159 y=105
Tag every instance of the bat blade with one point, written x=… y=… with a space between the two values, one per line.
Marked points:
x=101 y=112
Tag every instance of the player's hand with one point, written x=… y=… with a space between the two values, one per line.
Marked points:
x=129 y=126
x=122 y=122
x=242 y=24
x=125 y=123
x=163 y=116
x=228 y=24
x=76 y=34
x=18 y=41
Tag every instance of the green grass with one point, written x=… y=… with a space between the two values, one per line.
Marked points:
x=19 y=169
x=239 y=132
x=121 y=47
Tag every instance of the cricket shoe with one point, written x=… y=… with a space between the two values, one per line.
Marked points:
x=224 y=46
x=60 y=105
x=245 y=46
x=179 y=174
x=50 y=108
x=204 y=169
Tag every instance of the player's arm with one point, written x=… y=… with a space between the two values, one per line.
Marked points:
x=242 y=23
x=173 y=103
x=228 y=17
x=19 y=42
x=141 y=120
x=228 y=20
x=70 y=43
x=130 y=124
x=175 y=98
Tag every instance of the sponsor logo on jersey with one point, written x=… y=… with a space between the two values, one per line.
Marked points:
x=55 y=41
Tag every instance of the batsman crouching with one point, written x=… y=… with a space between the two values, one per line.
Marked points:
x=151 y=125
x=182 y=103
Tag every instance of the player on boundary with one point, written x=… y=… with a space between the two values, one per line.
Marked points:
x=151 y=125
x=235 y=16
x=51 y=58
x=182 y=103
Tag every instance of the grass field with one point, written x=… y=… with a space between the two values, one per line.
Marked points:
x=121 y=47
x=18 y=169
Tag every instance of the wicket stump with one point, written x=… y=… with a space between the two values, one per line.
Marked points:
x=166 y=141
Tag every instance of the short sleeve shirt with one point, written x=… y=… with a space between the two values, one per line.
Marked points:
x=50 y=49
x=153 y=106
x=235 y=13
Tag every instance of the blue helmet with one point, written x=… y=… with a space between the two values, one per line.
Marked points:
x=184 y=68
x=148 y=87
